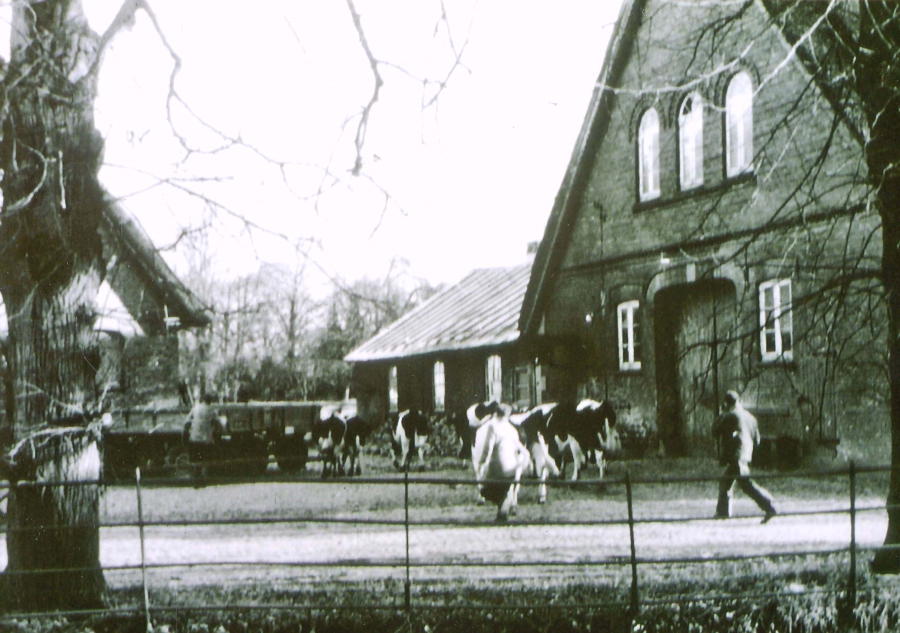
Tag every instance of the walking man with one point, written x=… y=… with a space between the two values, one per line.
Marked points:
x=738 y=434
x=203 y=430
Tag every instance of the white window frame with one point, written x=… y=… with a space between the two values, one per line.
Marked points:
x=626 y=319
x=739 y=125
x=494 y=378
x=393 y=393
x=648 y=155
x=776 y=319
x=690 y=139
x=440 y=390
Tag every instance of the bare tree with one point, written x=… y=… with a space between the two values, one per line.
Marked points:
x=52 y=260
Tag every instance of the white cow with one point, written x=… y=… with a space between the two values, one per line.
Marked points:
x=499 y=459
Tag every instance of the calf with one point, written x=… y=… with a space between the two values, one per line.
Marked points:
x=585 y=431
x=354 y=438
x=410 y=433
x=328 y=434
x=499 y=459
x=533 y=427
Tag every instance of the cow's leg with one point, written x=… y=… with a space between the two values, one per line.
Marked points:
x=542 y=494
x=598 y=455
x=504 y=508
x=577 y=456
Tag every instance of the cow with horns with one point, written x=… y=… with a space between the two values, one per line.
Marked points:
x=498 y=457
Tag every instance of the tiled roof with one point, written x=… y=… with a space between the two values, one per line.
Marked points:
x=481 y=310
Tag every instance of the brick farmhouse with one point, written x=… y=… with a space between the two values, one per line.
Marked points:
x=712 y=232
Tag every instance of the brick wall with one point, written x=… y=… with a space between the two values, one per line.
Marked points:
x=713 y=233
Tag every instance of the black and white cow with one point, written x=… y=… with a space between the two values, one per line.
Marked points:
x=354 y=437
x=410 y=434
x=586 y=431
x=499 y=459
x=328 y=434
x=533 y=427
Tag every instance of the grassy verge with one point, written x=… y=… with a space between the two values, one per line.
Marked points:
x=801 y=595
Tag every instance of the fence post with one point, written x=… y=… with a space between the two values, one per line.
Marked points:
x=140 y=510
x=851 y=593
x=406 y=585
x=634 y=578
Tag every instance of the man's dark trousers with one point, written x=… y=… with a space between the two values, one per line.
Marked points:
x=740 y=472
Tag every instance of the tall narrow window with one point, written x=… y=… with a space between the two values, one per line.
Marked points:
x=439 y=389
x=690 y=133
x=494 y=375
x=393 y=394
x=540 y=384
x=776 y=321
x=629 y=336
x=523 y=387
x=648 y=155
x=739 y=125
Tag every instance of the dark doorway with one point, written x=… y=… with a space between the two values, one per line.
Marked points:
x=696 y=359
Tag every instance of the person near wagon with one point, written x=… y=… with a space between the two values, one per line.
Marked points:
x=203 y=430
x=737 y=432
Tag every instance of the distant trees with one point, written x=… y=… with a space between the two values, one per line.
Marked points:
x=272 y=340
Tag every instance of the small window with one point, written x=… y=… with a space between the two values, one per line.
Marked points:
x=393 y=394
x=690 y=133
x=648 y=155
x=629 y=336
x=439 y=389
x=494 y=375
x=776 y=320
x=739 y=125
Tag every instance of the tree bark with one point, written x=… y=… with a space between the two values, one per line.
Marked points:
x=51 y=266
x=877 y=82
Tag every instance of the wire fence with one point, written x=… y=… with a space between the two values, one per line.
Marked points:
x=409 y=544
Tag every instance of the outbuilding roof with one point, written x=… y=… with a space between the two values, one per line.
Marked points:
x=147 y=287
x=482 y=310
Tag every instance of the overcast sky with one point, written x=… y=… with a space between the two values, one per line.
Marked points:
x=471 y=180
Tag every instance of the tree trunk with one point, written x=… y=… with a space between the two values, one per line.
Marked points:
x=877 y=81
x=53 y=537
x=51 y=266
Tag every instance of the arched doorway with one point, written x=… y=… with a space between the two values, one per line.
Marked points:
x=695 y=330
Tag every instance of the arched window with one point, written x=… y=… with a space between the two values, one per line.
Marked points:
x=648 y=155
x=690 y=136
x=739 y=125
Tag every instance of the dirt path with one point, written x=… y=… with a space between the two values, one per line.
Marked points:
x=295 y=551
